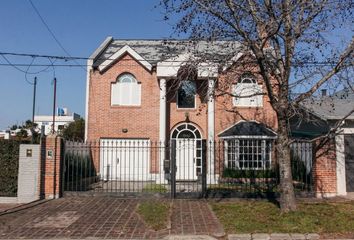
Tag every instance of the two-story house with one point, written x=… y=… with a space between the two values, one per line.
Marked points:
x=143 y=92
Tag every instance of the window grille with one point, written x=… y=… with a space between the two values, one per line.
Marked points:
x=248 y=154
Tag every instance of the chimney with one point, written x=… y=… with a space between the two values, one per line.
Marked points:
x=324 y=92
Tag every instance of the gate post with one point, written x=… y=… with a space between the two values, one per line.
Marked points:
x=173 y=168
x=51 y=167
x=204 y=168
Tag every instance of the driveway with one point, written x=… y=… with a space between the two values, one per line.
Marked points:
x=104 y=217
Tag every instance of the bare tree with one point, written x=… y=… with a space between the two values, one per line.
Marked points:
x=292 y=45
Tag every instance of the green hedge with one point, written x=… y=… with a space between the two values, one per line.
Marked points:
x=79 y=172
x=243 y=173
x=9 y=154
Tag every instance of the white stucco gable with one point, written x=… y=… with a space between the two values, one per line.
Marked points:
x=126 y=49
x=169 y=68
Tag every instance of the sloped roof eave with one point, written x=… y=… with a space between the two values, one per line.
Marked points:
x=248 y=129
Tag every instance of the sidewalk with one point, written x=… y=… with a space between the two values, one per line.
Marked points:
x=115 y=218
x=104 y=218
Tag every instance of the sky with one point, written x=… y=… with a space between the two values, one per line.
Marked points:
x=80 y=27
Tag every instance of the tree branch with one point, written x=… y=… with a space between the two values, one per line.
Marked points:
x=338 y=67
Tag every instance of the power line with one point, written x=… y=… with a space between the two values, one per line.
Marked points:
x=9 y=63
x=16 y=65
x=27 y=73
x=49 y=30
x=109 y=58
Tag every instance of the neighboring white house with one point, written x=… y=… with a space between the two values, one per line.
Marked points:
x=63 y=118
x=7 y=134
x=4 y=134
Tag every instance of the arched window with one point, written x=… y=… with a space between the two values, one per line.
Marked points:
x=126 y=91
x=186 y=94
x=186 y=131
x=247 y=93
x=126 y=78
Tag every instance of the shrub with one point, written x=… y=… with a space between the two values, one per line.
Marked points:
x=155 y=188
x=78 y=166
x=9 y=154
x=246 y=173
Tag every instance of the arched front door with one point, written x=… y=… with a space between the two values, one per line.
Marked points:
x=188 y=151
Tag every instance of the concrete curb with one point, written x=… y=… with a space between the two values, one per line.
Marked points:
x=274 y=236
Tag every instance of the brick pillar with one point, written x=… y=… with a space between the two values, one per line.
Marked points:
x=52 y=159
x=324 y=170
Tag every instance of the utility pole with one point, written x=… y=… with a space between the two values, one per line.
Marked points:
x=33 y=106
x=54 y=103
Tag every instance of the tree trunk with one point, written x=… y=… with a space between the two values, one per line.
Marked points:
x=287 y=195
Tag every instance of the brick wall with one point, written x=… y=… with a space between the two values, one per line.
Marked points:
x=324 y=170
x=106 y=121
x=226 y=114
x=51 y=164
x=197 y=116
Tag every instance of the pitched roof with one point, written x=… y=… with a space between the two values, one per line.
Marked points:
x=155 y=51
x=333 y=107
x=248 y=128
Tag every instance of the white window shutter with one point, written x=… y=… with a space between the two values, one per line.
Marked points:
x=135 y=94
x=246 y=89
x=138 y=94
x=236 y=92
x=115 y=94
x=126 y=94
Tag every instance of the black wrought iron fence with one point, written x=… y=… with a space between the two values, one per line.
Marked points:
x=186 y=167
x=247 y=167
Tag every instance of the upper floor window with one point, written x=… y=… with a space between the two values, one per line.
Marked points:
x=126 y=91
x=186 y=94
x=247 y=93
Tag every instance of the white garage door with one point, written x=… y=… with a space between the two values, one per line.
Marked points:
x=125 y=159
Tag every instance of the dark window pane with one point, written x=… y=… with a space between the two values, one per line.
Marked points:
x=190 y=127
x=186 y=95
x=197 y=134
x=181 y=127
x=199 y=153
x=174 y=134
x=186 y=134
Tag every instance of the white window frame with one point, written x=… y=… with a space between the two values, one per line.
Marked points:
x=237 y=153
x=254 y=87
x=132 y=86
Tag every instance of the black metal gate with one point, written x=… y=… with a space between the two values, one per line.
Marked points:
x=131 y=167
x=183 y=185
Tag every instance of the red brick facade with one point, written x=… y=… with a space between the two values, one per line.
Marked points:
x=106 y=121
x=324 y=170
x=51 y=172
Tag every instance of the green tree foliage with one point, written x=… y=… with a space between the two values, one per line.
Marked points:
x=22 y=134
x=9 y=150
x=75 y=130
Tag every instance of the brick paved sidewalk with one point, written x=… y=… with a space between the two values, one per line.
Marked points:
x=104 y=217
x=7 y=206
x=194 y=217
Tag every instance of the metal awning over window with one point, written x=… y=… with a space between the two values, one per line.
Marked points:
x=248 y=129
